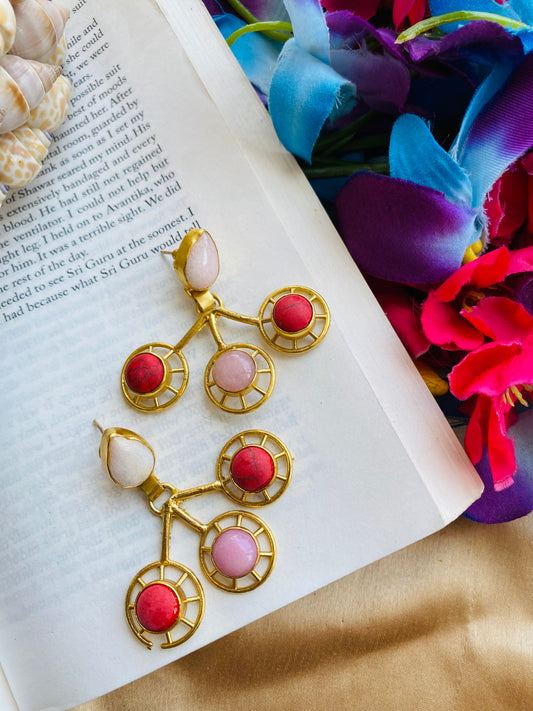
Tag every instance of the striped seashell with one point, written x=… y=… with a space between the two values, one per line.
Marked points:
x=21 y=155
x=23 y=85
x=58 y=57
x=7 y=26
x=40 y=26
x=52 y=110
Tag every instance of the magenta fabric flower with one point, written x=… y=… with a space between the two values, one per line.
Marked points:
x=441 y=317
x=509 y=205
x=445 y=312
x=500 y=374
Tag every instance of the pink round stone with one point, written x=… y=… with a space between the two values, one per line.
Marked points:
x=234 y=371
x=157 y=607
x=234 y=552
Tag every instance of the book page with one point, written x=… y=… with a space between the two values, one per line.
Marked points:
x=144 y=156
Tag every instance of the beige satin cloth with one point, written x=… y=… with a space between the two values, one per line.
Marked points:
x=444 y=625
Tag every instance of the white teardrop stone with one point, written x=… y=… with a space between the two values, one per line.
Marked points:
x=201 y=269
x=130 y=461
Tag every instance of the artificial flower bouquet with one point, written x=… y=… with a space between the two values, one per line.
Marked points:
x=413 y=119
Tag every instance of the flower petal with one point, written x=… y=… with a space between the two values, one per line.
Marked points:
x=415 y=155
x=481 y=38
x=485 y=371
x=445 y=328
x=524 y=10
x=362 y=67
x=477 y=429
x=304 y=92
x=521 y=260
x=267 y=9
x=501 y=450
x=363 y=8
x=486 y=270
x=400 y=309
x=414 y=9
x=401 y=231
x=517 y=500
x=309 y=27
x=442 y=7
x=256 y=53
x=501 y=132
x=506 y=203
x=501 y=319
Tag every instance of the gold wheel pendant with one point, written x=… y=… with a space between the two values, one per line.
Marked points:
x=254 y=468
x=294 y=319
x=239 y=378
x=154 y=376
x=165 y=598
x=237 y=551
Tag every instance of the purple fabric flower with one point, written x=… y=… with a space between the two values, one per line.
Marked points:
x=517 y=500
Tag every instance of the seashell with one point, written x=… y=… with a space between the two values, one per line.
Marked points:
x=52 y=110
x=18 y=162
x=34 y=140
x=40 y=25
x=7 y=26
x=23 y=85
x=58 y=57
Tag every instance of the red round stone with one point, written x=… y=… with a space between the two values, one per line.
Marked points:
x=157 y=607
x=252 y=468
x=144 y=373
x=292 y=313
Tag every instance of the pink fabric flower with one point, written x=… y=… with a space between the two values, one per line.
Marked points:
x=508 y=206
x=443 y=313
x=441 y=318
x=498 y=374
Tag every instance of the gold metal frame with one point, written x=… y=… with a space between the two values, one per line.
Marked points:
x=266 y=547
x=259 y=389
x=281 y=457
x=181 y=254
x=103 y=450
x=190 y=595
x=172 y=386
x=300 y=341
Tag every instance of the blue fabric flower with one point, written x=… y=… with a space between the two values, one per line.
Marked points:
x=415 y=226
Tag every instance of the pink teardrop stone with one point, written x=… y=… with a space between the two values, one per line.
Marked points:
x=234 y=552
x=201 y=269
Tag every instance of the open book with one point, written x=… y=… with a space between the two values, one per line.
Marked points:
x=165 y=134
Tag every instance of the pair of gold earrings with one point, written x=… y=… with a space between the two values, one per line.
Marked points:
x=237 y=549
